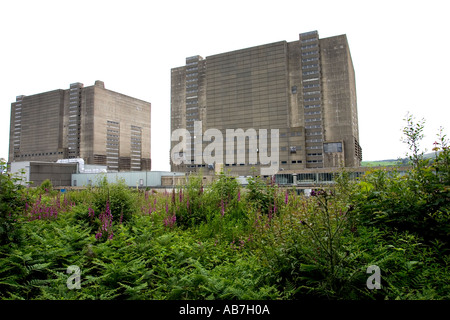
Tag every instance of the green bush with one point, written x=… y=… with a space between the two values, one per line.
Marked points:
x=46 y=186
x=261 y=194
x=12 y=204
x=222 y=241
x=418 y=201
x=118 y=196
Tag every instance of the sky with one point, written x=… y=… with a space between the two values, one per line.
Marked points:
x=400 y=52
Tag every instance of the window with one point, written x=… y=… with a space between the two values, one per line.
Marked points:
x=309 y=46
x=314 y=140
x=311 y=93
x=306 y=86
x=309 y=40
x=309 y=53
x=294 y=89
x=309 y=66
x=310 y=59
x=332 y=147
x=313 y=112
x=306 y=73
x=313 y=119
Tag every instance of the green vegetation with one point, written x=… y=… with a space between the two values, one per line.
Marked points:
x=222 y=241
x=383 y=163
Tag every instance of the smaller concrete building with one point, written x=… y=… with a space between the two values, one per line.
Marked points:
x=100 y=126
x=35 y=172
x=138 y=179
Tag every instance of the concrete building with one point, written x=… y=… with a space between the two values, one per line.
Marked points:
x=100 y=126
x=141 y=179
x=305 y=88
x=36 y=172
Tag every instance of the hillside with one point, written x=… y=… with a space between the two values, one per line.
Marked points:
x=393 y=162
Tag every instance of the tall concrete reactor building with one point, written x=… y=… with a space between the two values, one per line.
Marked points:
x=100 y=126
x=305 y=88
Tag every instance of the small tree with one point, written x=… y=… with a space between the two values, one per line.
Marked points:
x=413 y=134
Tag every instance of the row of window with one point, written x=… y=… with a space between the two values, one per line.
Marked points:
x=292 y=149
x=314 y=85
x=313 y=119
x=310 y=59
x=310 y=53
x=307 y=73
x=292 y=134
x=38 y=154
x=308 y=93
x=313 y=147
x=192 y=63
x=308 y=40
x=314 y=133
x=309 y=66
x=258 y=163
x=309 y=46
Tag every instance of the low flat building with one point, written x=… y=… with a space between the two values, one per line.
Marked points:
x=35 y=172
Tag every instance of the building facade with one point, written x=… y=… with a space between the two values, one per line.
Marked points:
x=305 y=89
x=100 y=126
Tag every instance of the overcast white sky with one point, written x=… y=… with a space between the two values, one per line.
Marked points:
x=400 y=52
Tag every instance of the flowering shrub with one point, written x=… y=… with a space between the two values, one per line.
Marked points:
x=223 y=241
